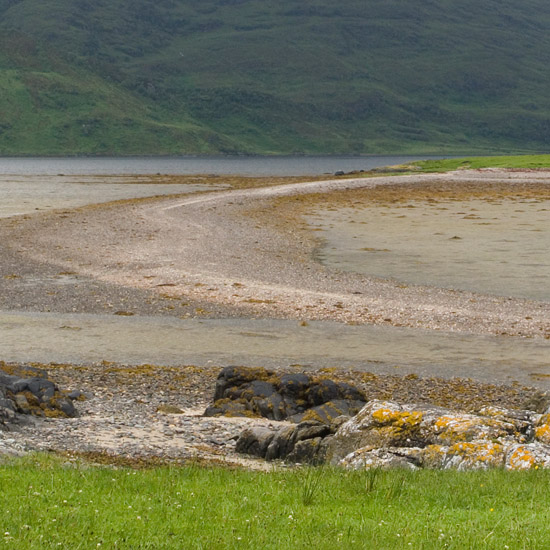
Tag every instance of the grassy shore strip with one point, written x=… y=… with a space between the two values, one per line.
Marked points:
x=47 y=503
x=524 y=162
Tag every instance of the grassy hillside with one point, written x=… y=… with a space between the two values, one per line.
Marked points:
x=357 y=76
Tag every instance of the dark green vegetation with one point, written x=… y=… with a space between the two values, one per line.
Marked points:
x=523 y=162
x=45 y=505
x=205 y=76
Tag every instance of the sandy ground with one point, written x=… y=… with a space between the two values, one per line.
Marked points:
x=230 y=249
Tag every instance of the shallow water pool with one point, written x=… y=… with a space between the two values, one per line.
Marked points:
x=51 y=337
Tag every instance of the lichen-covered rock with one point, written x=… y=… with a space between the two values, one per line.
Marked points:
x=527 y=456
x=386 y=458
x=461 y=427
x=522 y=420
x=383 y=424
x=474 y=455
x=542 y=429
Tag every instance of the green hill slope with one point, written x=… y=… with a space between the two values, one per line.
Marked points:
x=204 y=76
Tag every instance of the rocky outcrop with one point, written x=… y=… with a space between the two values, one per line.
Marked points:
x=305 y=442
x=258 y=392
x=30 y=392
x=386 y=434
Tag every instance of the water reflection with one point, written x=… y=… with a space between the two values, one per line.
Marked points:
x=239 y=165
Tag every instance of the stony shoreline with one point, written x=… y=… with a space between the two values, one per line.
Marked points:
x=153 y=414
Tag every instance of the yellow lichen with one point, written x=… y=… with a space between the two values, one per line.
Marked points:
x=478 y=451
x=542 y=433
x=453 y=429
x=521 y=459
x=398 y=419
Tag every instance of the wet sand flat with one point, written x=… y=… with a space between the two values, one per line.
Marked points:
x=498 y=247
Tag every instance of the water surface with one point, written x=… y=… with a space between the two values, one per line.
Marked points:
x=47 y=337
x=27 y=194
x=239 y=165
x=170 y=341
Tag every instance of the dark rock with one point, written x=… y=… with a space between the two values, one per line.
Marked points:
x=75 y=395
x=7 y=379
x=228 y=407
x=310 y=430
x=36 y=395
x=237 y=376
x=294 y=385
x=6 y=403
x=350 y=393
x=7 y=410
x=328 y=412
x=322 y=392
x=254 y=441
x=262 y=393
x=41 y=388
x=293 y=406
x=259 y=388
x=307 y=451
x=282 y=443
x=65 y=405
x=213 y=410
x=273 y=407
x=328 y=390
x=22 y=403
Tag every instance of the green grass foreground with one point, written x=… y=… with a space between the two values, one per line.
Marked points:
x=46 y=503
x=525 y=162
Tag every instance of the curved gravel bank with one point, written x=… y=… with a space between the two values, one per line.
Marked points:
x=211 y=249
